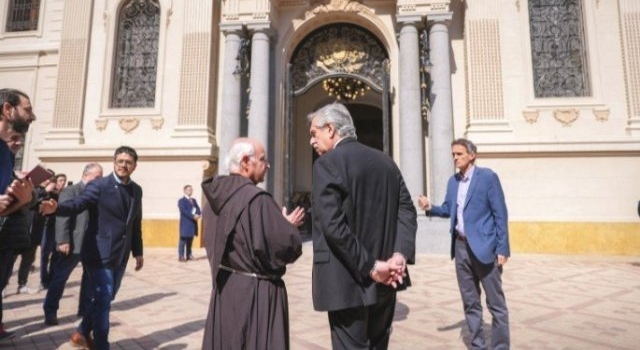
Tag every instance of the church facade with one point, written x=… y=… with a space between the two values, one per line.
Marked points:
x=548 y=90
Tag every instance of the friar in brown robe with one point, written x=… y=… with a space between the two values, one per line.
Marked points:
x=249 y=242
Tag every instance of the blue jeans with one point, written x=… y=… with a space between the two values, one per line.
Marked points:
x=61 y=268
x=104 y=283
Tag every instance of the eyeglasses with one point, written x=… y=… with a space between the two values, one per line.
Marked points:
x=124 y=162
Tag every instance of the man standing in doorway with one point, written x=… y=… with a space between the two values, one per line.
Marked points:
x=475 y=204
x=364 y=229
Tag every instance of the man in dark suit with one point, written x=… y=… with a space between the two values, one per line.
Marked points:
x=69 y=233
x=480 y=241
x=189 y=215
x=364 y=227
x=114 y=231
x=16 y=115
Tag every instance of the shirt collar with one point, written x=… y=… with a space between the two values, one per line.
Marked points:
x=468 y=175
x=120 y=181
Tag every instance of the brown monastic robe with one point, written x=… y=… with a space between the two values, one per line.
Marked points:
x=247 y=233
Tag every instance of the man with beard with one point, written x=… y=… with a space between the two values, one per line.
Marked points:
x=114 y=232
x=16 y=115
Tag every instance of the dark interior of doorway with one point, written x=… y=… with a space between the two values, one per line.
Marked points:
x=368 y=122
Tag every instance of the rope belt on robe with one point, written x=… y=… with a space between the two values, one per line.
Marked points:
x=249 y=274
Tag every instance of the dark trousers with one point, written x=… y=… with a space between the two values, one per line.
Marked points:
x=471 y=273
x=27 y=258
x=366 y=327
x=185 y=244
x=6 y=266
x=47 y=248
x=61 y=268
x=104 y=284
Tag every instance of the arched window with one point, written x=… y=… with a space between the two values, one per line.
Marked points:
x=136 y=55
x=23 y=15
x=558 y=49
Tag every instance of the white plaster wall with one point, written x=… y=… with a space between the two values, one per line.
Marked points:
x=28 y=62
x=570 y=189
x=161 y=181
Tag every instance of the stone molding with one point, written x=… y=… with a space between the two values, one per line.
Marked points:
x=566 y=116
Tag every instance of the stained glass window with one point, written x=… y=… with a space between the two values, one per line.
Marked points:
x=558 y=48
x=23 y=15
x=136 y=55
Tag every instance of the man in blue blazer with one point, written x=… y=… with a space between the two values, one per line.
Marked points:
x=114 y=231
x=189 y=215
x=480 y=241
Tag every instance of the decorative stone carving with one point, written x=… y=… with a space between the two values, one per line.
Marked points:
x=128 y=124
x=325 y=6
x=157 y=123
x=337 y=50
x=566 y=116
x=101 y=124
x=602 y=115
x=531 y=116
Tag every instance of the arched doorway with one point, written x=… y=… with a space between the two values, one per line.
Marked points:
x=328 y=65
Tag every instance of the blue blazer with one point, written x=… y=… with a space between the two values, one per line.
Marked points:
x=114 y=229
x=485 y=215
x=188 y=225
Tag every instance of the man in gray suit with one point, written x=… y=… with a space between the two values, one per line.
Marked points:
x=364 y=230
x=69 y=234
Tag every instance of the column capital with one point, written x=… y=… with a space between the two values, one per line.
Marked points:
x=409 y=19
x=264 y=27
x=231 y=28
x=440 y=17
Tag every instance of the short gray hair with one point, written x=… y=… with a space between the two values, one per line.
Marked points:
x=467 y=144
x=89 y=167
x=336 y=114
x=239 y=149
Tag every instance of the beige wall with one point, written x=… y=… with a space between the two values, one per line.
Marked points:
x=561 y=177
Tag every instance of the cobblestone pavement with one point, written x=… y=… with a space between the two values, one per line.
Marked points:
x=555 y=302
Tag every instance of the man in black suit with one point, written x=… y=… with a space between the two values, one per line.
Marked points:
x=364 y=228
x=114 y=231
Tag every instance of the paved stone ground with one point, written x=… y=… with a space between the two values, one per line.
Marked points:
x=555 y=302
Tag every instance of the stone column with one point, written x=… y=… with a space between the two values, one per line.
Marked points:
x=411 y=144
x=231 y=90
x=258 y=127
x=441 y=121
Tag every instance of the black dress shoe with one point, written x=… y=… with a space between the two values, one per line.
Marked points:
x=51 y=320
